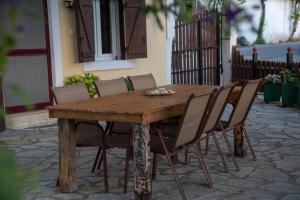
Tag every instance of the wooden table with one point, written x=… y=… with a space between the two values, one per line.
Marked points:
x=133 y=107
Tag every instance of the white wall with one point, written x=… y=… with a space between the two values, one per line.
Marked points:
x=278 y=25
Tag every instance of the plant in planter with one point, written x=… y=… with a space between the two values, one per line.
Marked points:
x=88 y=79
x=289 y=89
x=272 y=88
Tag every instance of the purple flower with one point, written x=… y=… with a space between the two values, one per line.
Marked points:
x=231 y=14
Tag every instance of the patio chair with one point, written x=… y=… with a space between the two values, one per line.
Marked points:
x=142 y=82
x=75 y=93
x=215 y=113
x=240 y=112
x=218 y=104
x=88 y=133
x=117 y=129
x=186 y=134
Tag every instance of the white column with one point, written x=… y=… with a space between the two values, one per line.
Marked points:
x=55 y=42
x=170 y=36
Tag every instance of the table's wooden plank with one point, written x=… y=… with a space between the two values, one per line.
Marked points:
x=130 y=107
x=67 y=155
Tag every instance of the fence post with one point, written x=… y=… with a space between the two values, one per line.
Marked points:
x=254 y=63
x=289 y=58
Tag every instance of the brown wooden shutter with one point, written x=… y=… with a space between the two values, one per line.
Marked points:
x=135 y=37
x=85 y=30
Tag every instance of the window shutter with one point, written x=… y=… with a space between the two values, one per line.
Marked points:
x=85 y=30
x=135 y=37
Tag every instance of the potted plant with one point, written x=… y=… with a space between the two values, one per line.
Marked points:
x=272 y=88
x=289 y=89
x=297 y=85
x=88 y=79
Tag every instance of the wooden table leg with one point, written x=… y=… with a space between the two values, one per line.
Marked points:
x=239 y=149
x=142 y=161
x=67 y=155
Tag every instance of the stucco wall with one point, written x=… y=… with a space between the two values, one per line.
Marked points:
x=156 y=63
x=277 y=26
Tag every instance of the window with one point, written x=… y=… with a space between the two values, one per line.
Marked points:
x=110 y=29
x=106 y=26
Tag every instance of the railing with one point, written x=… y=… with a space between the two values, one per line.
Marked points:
x=247 y=69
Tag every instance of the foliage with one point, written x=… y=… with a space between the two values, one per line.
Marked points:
x=12 y=180
x=10 y=184
x=186 y=9
x=272 y=78
x=262 y=22
x=295 y=16
x=88 y=79
x=289 y=77
x=128 y=84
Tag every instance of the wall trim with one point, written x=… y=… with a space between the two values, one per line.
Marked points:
x=55 y=42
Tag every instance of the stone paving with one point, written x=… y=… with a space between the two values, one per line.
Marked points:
x=275 y=134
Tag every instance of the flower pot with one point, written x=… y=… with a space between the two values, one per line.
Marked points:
x=272 y=92
x=289 y=94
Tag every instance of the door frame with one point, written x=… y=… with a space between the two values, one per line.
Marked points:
x=31 y=52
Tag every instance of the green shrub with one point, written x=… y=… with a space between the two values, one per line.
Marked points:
x=88 y=79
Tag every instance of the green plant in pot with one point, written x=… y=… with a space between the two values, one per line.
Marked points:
x=272 y=88
x=289 y=89
x=297 y=85
x=88 y=79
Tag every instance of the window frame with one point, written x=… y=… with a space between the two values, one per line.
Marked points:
x=115 y=31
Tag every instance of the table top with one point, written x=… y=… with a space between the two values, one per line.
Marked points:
x=133 y=107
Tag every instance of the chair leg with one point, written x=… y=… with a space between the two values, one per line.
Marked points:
x=57 y=182
x=96 y=160
x=186 y=156
x=230 y=150
x=202 y=164
x=172 y=168
x=100 y=161
x=249 y=143
x=128 y=151
x=220 y=151
x=206 y=145
x=105 y=170
x=154 y=166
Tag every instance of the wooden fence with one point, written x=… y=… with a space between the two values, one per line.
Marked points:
x=247 y=69
x=196 y=50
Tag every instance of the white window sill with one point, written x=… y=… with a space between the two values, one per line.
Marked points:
x=108 y=65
